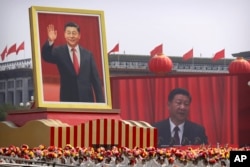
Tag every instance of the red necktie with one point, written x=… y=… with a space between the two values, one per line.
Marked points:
x=75 y=61
x=176 y=136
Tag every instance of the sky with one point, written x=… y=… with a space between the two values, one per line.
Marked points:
x=207 y=26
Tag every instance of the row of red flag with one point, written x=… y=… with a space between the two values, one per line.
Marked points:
x=12 y=49
x=157 y=50
x=218 y=55
x=188 y=55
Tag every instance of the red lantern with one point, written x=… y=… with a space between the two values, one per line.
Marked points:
x=238 y=66
x=160 y=64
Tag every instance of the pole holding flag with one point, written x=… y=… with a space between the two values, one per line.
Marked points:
x=115 y=49
x=157 y=50
x=188 y=55
x=219 y=55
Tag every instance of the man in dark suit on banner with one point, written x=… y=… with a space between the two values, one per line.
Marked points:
x=177 y=129
x=79 y=77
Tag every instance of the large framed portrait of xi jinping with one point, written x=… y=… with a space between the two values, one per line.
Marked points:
x=70 y=61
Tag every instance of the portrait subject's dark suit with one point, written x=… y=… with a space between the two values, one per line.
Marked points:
x=73 y=87
x=193 y=134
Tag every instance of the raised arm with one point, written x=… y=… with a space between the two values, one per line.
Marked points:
x=52 y=33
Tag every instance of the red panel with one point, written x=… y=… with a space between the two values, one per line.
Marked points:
x=141 y=138
x=134 y=136
x=52 y=136
x=98 y=131
x=113 y=131
x=127 y=134
x=244 y=109
x=148 y=137
x=119 y=133
x=90 y=133
x=105 y=131
x=60 y=136
x=82 y=135
x=67 y=135
x=75 y=135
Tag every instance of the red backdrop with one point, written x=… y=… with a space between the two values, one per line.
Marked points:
x=221 y=103
x=90 y=39
x=216 y=102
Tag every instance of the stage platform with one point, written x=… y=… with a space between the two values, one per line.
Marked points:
x=88 y=128
x=69 y=116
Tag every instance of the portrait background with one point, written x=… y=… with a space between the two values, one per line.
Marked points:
x=90 y=39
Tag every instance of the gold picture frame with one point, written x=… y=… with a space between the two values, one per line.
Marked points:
x=47 y=82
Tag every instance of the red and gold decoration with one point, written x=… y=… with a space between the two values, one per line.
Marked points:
x=160 y=64
x=239 y=66
x=126 y=133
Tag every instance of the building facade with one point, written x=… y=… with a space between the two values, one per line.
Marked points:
x=16 y=82
x=138 y=65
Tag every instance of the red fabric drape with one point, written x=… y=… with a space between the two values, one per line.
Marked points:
x=214 y=101
x=90 y=39
x=244 y=108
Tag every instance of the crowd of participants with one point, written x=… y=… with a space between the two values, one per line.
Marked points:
x=201 y=156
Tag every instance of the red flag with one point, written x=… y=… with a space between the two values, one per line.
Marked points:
x=20 y=47
x=157 y=50
x=115 y=49
x=12 y=49
x=219 y=55
x=4 y=53
x=188 y=55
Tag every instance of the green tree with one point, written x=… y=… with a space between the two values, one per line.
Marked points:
x=4 y=108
